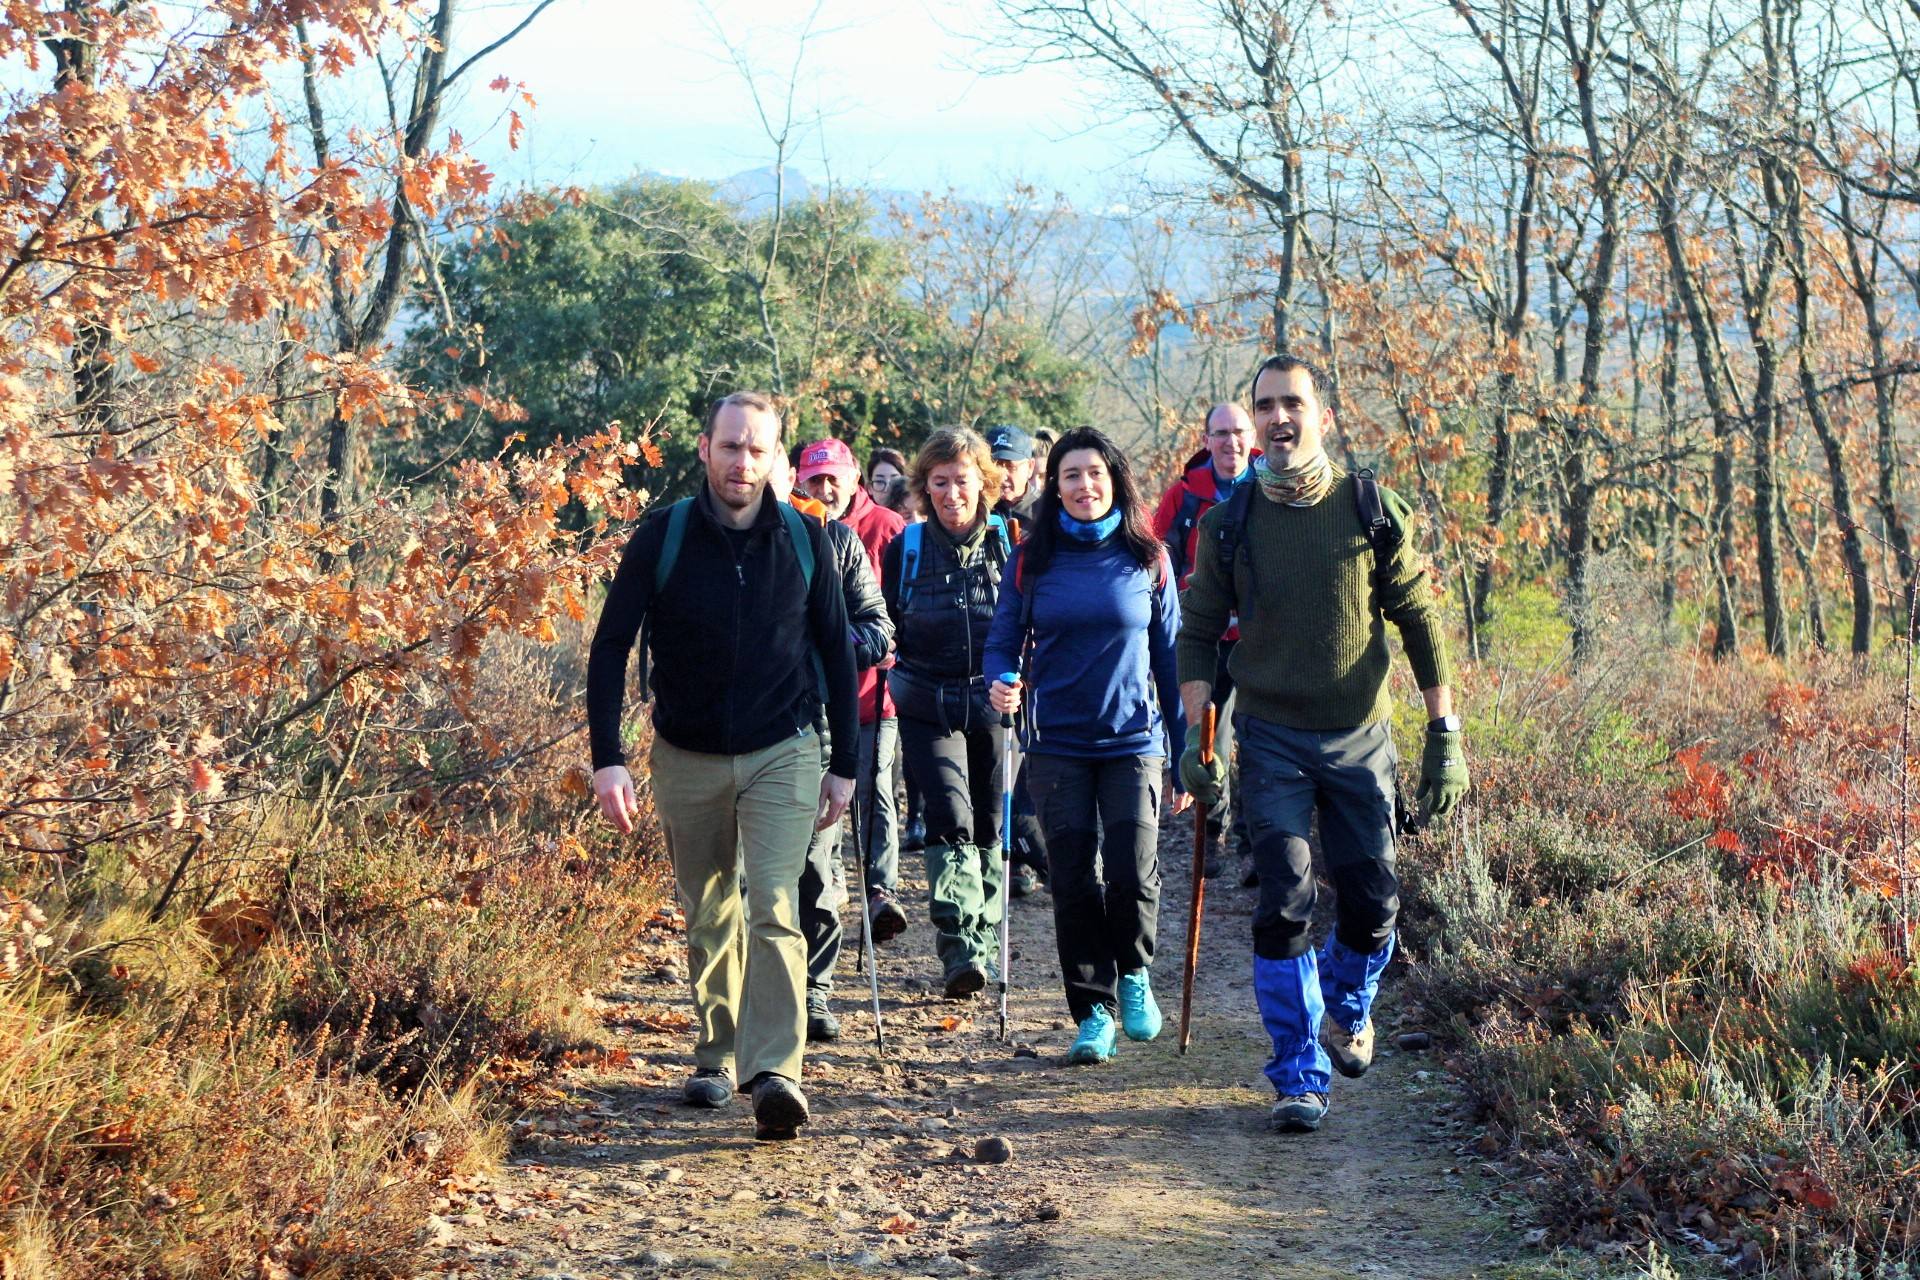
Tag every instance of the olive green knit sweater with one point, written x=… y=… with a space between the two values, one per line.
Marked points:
x=1313 y=643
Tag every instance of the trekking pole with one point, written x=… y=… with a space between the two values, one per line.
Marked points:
x=1199 y=886
x=866 y=894
x=1006 y=849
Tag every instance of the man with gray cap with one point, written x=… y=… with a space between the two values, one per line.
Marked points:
x=1013 y=448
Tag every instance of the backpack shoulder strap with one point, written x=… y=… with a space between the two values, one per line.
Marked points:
x=1373 y=519
x=802 y=540
x=1007 y=531
x=1026 y=595
x=1182 y=531
x=670 y=547
x=1231 y=534
x=803 y=551
x=910 y=538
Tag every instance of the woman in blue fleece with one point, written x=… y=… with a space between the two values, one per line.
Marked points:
x=1093 y=601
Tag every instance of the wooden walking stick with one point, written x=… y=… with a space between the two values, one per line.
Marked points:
x=1199 y=886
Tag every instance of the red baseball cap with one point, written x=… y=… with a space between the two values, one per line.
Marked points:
x=826 y=455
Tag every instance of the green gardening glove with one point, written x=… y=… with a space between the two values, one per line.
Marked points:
x=1202 y=779
x=1443 y=773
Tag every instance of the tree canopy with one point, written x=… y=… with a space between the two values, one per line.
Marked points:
x=642 y=303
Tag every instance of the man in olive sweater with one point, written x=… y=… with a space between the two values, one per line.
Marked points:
x=1313 y=594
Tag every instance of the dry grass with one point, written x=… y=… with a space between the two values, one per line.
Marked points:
x=1666 y=941
x=276 y=1076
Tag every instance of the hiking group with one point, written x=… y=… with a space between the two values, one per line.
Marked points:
x=1024 y=650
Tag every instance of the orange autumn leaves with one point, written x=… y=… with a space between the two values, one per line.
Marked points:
x=181 y=631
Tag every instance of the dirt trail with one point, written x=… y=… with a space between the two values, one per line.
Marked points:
x=1152 y=1164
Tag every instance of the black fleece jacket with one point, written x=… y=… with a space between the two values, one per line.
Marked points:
x=731 y=637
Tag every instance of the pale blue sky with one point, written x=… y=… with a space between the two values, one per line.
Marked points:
x=647 y=84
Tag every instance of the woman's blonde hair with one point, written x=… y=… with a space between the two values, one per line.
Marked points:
x=955 y=444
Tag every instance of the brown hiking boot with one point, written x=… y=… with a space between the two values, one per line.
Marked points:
x=1351 y=1052
x=885 y=917
x=965 y=981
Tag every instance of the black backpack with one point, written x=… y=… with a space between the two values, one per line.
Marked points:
x=1182 y=531
x=1230 y=535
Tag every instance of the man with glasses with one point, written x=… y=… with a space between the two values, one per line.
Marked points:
x=1224 y=462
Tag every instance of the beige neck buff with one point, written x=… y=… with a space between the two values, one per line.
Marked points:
x=1300 y=485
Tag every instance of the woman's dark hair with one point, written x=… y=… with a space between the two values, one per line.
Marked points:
x=1135 y=531
x=889 y=455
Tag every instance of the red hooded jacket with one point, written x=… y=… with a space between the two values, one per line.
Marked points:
x=875 y=526
x=1198 y=490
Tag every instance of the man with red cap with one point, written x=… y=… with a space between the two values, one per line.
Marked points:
x=828 y=473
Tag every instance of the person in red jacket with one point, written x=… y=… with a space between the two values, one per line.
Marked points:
x=1224 y=462
x=828 y=472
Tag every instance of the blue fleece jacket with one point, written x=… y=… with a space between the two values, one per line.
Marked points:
x=1101 y=651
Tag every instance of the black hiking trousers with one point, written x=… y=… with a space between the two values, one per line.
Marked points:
x=1101 y=819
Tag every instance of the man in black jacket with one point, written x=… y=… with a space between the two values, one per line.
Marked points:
x=737 y=630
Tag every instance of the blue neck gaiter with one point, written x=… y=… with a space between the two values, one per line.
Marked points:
x=1090 y=531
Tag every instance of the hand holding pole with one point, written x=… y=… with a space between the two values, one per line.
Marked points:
x=1207 y=724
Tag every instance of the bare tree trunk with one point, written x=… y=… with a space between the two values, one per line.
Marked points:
x=358 y=327
x=1816 y=612
x=1852 y=547
x=91 y=359
x=1763 y=413
x=1702 y=326
x=1583 y=45
x=1669 y=420
x=1863 y=272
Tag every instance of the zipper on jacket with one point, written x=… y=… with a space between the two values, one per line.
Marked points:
x=733 y=668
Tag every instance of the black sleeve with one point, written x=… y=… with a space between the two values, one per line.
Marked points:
x=890 y=578
x=866 y=608
x=620 y=618
x=827 y=620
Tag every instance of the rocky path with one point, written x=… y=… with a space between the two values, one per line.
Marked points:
x=1151 y=1165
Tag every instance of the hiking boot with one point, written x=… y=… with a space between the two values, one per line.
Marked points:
x=779 y=1108
x=1024 y=882
x=1298 y=1113
x=1250 y=878
x=709 y=1087
x=1351 y=1051
x=1215 y=866
x=1095 y=1042
x=885 y=917
x=821 y=1024
x=1138 y=1012
x=914 y=838
x=967 y=980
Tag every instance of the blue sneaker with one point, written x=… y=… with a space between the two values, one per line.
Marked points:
x=1095 y=1043
x=1138 y=1013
